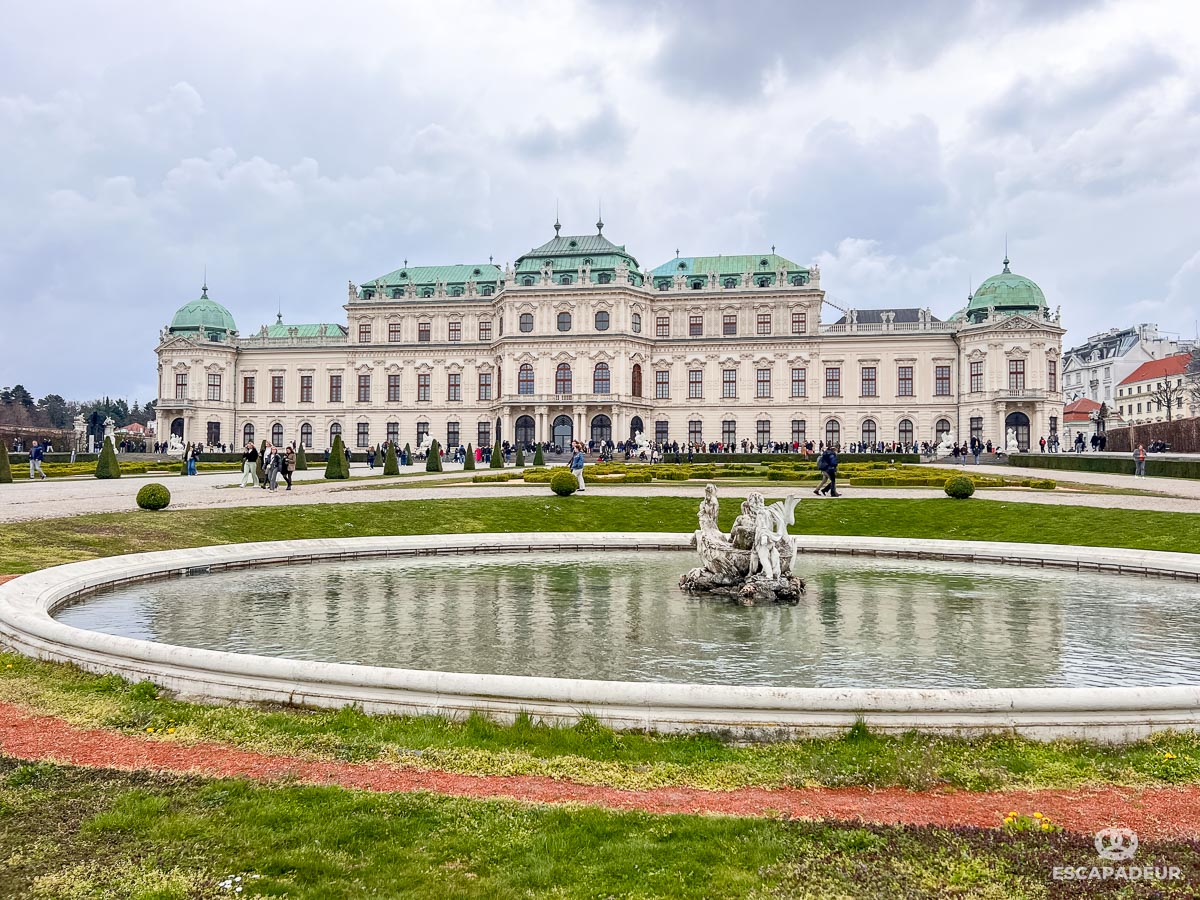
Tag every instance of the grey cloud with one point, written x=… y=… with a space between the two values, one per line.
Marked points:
x=603 y=133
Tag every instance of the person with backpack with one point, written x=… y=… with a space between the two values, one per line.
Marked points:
x=831 y=464
x=823 y=468
x=36 y=455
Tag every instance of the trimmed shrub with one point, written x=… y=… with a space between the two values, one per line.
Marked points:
x=187 y=451
x=107 y=466
x=784 y=458
x=469 y=463
x=338 y=467
x=391 y=464
x=637 y=478
x=498 y=477
x=408 y=454
x=535 y=476
x=520 y=460
x=1043 y=484
x=1114 y=465
x=153 y=496
x=5 y=468
x=258 y=467
x=563 y=483
x=433 y=462
x=538 y=459
x=959 y=487
x=497 y=457
x=301 y=459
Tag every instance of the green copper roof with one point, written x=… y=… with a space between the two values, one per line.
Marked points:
x=283 y=330
x=768 y=263
x=203 y=316
x=567 y=253
x=1007 y=293
x=484 y=273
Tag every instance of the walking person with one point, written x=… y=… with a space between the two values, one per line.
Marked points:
x=249 y=458
x=831 y=465
x=193 y=458
x=36 y=455
x=272 y=466
x=576 y=464
x=289 y=466
x=1139 y=462
x=370 y=457
x=823 y=468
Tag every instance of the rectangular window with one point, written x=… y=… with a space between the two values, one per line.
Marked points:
x=662 y=385
x=695 y=326
x=762 y=382
x=181 y=386
x=394 y=332
x=454 y=386
x=662 y=327
x=364 y=388
x=423 y=332
x=423 y=387
x=762 y=432
x=1016 y=374
x=364 y=435
x=799 y=382
x=977 y=429
x=1052 y=374
x=485 y=330
x=695 y=384
x=904 y=381
x=729 y=432
x=393 y=433
x=833 y=381
x=798 y=431
x=276 y=388
x=695 y=432
x=1054 y=424
x=485 y=385
x=248 y=389
x=484 y=434
x=335 y=388
x=214 y=387
x=729 y=324
x=393 y=389
x=799 y=322
x=455 y=332
x=452 y=436
x=764 y=323
x=728 y=384
x=869 y=382
x=941 y=381
x=214 y=433
x=364 y=333
x=306 y=389
x=977 y=376
x=660 y=431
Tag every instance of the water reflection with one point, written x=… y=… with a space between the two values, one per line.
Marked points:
x=863 y=623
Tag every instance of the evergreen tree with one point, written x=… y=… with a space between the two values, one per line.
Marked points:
x=538 y=459
x=301 y=459
x=433 y=462
x=337 y=467
x=258 y=466
x=408 y=460
x=469 y=465
x=497 y=457
x=5 y=468
x=107 y=466
x=391 y=465
x=520 y=461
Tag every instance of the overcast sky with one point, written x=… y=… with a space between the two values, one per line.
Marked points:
x=291 y=147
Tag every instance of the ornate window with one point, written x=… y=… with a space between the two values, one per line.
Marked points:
x=729 y=324
x=695 y=384
x=833 y=432
x=762 y=382
x=248 y=433
x=525 y=379
x=798 y=431
x=697 y=284
x=870 y=432
x=276 y=388
x=904 y=381
x=335 y=388
x=564 y=321
x=635 y=387
x=422 y=432
x=663 y=285
x=977 y=428
x=454 y=386
x=602 y=321
x=662 y=326
x=334 y=430
x=393 y=433
x=525 y=322
x=1052 y=375
x=729 y=432
x=452 y=434
x=485 y=385
x=799 y=322
x=527 y=281
x=941 y=381
x=604 y=278
x=764 y=323
x=730 y=282
x=181 y=386
x=600 y=379
x=393 y=389
x=637 y=323
x=364 y=388
x=833 y=381
x=423 y=387
x=941 y=429
x=799 y=382
x=306 y=435
x=483 y=434
x=869 y=382
x=393 y=332
x=695 y=326
x=764 y=282
x=762 y=432
x=1016 y=374
x=661 y=431
x=905 y=432
x=695 y=431
x=456 y=292
x=277 y=434
x=423 y=332
x=565 y=279
x=454 y=331
x=214 y=387
x=485 y=330
x=728 y=384
x=977 y=376
x=562 y=379
x=364 y=333
x=662 y=384
x=248 y=389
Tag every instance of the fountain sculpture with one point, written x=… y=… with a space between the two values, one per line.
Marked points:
x=754 y=563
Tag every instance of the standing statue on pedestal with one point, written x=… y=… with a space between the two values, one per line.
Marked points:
x=754 y=563
x=946 y=447
x=1010 y=441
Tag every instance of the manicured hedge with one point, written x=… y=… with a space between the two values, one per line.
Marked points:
x=1085 y=462
x=23 y=458
x=799 y=457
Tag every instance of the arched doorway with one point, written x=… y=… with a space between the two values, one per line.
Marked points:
x=563 y=431
x=601 y=428
x=177 y=428
x=1020 y=423
x=635 y=425
x=523 y=431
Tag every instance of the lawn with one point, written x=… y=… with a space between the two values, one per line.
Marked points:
x=72 y=833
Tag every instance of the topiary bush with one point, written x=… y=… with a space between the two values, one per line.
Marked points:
x=5 y=468
x=520 y=461
x=538 y=459
x=391 y=463
x=433 y=462
x=563 y=483
x=497 y=457
x=959 y=487
x=153 y=496
x=469 y=464
x=338 y=466
x=107 y=466
x=259 y=473
x=301 y=459
x=408 y=460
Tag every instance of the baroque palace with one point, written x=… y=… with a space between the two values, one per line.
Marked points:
x=577 y=340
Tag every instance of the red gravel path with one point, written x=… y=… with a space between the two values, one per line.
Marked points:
x=1153 y=813
x=4 y=578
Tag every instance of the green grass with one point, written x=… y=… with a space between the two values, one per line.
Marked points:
x=73 y=833
x=590 y=754
x=25 y=547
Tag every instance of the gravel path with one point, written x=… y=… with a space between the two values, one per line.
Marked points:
x=1152 y=813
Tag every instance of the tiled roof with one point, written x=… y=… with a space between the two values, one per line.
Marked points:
x=875 y=316
x=282 y=330
x=726 y=265
x=1079 y=410
x=576 y=243
x=458 y=274
x=1159 y=368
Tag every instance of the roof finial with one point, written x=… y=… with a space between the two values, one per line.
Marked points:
x=557 y=226
x=489 y=259
x=204 y=288
x=406 y=262
x=279 y=307
x=677 y=253
x=599 y=218
x=772 y=249
x=1006 y=269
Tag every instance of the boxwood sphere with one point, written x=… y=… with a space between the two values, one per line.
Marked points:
x=153 y=496
x=563 y=483
x=960 y=487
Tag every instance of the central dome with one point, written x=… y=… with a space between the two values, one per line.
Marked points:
x=1006 y=293
x=205 y=317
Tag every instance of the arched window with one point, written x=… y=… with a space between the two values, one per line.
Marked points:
x=797 y=280
x=730 y=282
x=525 y=323
x=487 y=290
x=663 y=285
x=456 y=292
x=334 y=430
x=637 y=323
x=566 y=279
x=564 y=321
x=601 y=383
x=601 y=428
x=527 y=281
x=602 y=321
x=635 y=387
x=306 y=435
x=764 y=282
x=277 y=434
x=833 y=432
x=905 y=433
x=427 y=292
x=396 y=292
x=562 y=379
x=525 y=379
x=604 y=278
x=697 y=284
x=869 y=432
x=941 y=429
x=248 y=433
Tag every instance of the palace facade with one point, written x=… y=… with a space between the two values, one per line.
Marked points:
x=578 y=340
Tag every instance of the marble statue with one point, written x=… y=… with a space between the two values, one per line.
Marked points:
x=639 y=439
x=110 y=431
x=425 y=444
x=946 y=447
x=175 y=446
x=1010 y=441
x=753 y=564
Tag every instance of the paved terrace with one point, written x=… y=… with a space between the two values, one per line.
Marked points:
x=28 y=501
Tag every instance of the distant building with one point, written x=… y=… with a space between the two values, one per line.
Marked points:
x=1094 y=369
x=1136 y=400
x=1079 y=417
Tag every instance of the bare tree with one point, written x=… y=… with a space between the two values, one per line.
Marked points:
x=1169 y=392
x=1192 y=379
